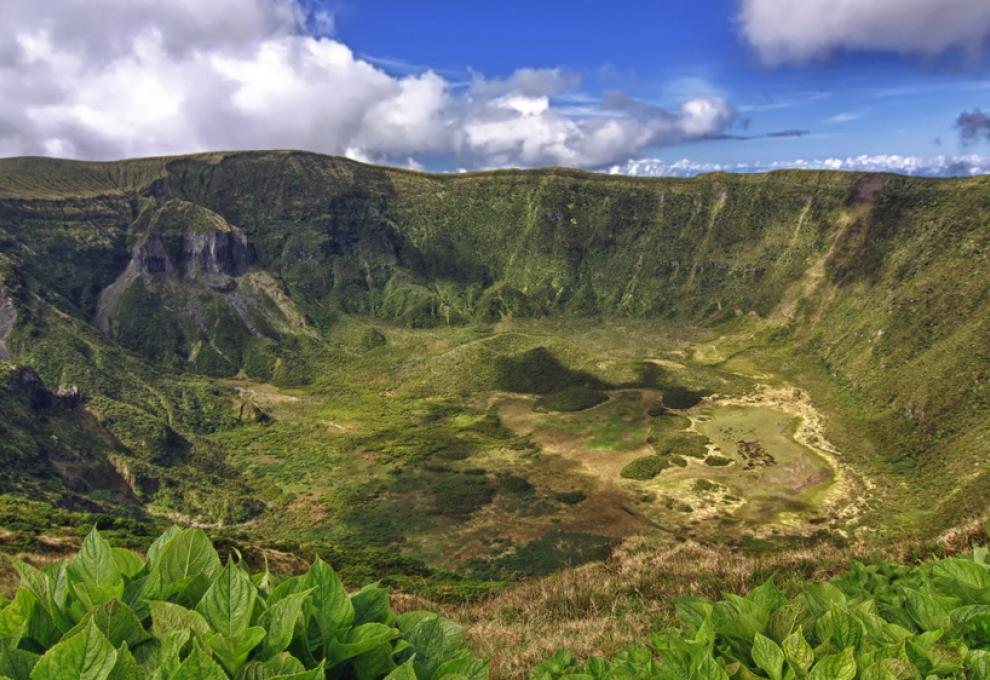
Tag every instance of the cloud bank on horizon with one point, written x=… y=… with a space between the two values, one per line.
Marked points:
x=935 y=166
x=106 y=79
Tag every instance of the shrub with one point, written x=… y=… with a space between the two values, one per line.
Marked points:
x=574 y=398
x=510 y=483
x=183 y=615
x=373 y=339
x=688 y=444
x=705 y=485
x=571 y=497
x=716 y=460
x=678 y=397
x=645 y=467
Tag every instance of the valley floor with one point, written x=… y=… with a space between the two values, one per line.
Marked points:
x=512 y=451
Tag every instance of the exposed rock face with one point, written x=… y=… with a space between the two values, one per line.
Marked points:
x=150 y=257
x=8 y=316
x=191 y=241
x=70 y=395
x=217 y=252
x=190 y=291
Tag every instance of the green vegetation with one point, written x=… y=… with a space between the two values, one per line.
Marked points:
x=553 y=552
x=182 y=614
x=681 y=398
x=704 y=485
x=574 y=398
x=877 y=621
x=688 y=444
x=807 y=270
x=664 y=425
x=716 y=460
x=401 y=372
x=648 y=467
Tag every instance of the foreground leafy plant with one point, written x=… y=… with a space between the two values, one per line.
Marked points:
x=108 y=614
x=877 y=622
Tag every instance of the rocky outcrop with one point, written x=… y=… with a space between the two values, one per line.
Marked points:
x=8 y=317
x=179 y=246
x=217 y=252
x=191 y=292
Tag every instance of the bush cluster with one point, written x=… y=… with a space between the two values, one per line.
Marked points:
x=181 y=614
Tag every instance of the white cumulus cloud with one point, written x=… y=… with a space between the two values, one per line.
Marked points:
x=117 y=78
x=804 y=30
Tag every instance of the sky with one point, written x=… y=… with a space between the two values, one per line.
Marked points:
x=622 y=86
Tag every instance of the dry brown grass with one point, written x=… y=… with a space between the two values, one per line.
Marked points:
x=601 y=608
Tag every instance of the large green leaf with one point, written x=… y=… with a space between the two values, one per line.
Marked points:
x=978 y=664
x=406 y=671
x=35 y=580
x=927 y=613
x=331 y=604
x=835 y=667
x=127 y=667
x=370 y=605
x=769 y=656
x=933 y=658
x=467 y=668
x=839 y=626
x=359 y=640
x=963 y=577
x=798 y=652
x=280 y=623
x=229 y=602
x=129 y=563
x=188 y=555
x=118 y=622
x=198 y=666
x=41 y=586
x=291 y=585
x=158 y=545
x=318 y=673
x=973 y=622
x=167 y=618
x=232 y=652
x=16 y=663
x=376 y=663
x=87 y=655
x=93 y=573
x=161 y=656
x=280 y=664
x=890 y=669
x=16 y=616
x=709 y=669
x=433 y=639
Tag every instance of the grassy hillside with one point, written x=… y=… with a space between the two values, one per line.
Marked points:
x=121 y=277
x=451 y=383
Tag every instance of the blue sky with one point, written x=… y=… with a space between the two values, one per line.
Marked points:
x=847 y=103
x=620 y=86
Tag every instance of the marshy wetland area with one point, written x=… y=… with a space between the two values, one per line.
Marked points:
x=524 y=447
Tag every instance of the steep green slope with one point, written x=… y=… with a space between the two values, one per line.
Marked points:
x=127 y=278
